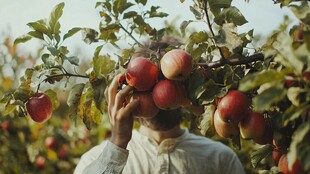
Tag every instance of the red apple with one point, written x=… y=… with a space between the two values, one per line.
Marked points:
x=276 y=155
x=5 y=125
x=168 y=94
x=39 y=107
x=50 y=142
x=40 y=161
x=253 y=126
x=266 y=138
x=233 y=107
x=224 y=129
x=176 y=64
x=306 y=76
x=63 y=152
x=147 y=107
x=283 y=166
x=141 y=73
x=300 y=35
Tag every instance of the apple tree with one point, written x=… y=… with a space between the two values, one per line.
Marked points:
x=270 y=83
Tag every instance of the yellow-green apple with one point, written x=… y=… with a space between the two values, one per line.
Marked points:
x=233 y=107
x=146 y=107
x=224 y=129
x=141 y=73
x=39 y=107
x=176 y=64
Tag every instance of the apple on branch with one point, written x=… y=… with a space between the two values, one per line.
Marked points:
x=39 y=107
x=176 y=64
x=141 y=73
x=146 y=107
x=233 y=107
x=224 y=129
x=168 y=94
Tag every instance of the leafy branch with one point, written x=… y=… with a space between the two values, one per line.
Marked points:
x=233 y=61
x=210 y=27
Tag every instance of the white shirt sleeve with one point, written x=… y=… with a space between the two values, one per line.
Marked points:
x=231 y=163
x=104 y=158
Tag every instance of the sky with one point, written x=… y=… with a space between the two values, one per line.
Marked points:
x=262 y=15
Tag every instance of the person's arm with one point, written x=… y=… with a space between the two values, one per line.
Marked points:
x=112 y=157
x=104 y=158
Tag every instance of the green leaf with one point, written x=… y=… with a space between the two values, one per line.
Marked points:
x=39 y=26
x=299 y=136
x=36 y=34
x=73 y=100
x=195 y=88
x=89 y=35
x=54 y=17
x=219 y=3
x=197 y=52
x=199 y=37
x=143 y=2
x=124 y=5
x=129 y=14
x=212 y=90
x=71 y=32
x=153 y=12
x=293 y=112
x=230 y=15
x=268 y=97
x=260 y=154
x=254 y=80
x=287 y=55
x=22 y=39
x=74 y=60
x=206 y=124
x=294 y=95
x=228 y=37
x=99 y=86
x=184 y=25
x=301 y=11
x=197 y=13
x=53 y=97
x=103 y=65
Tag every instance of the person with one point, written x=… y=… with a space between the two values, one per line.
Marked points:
x=160 y=146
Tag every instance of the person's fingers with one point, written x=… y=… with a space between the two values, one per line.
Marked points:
x=112 y=90
x=130 y=108
x=121 y=96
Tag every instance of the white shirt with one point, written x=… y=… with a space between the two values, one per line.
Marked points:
x=187 y=154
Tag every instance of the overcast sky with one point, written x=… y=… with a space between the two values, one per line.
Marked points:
x=262 y=15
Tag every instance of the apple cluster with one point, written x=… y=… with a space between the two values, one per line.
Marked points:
x=233 y=117
x=159 y=86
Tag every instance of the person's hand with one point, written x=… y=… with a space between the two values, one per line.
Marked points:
x=120 y=112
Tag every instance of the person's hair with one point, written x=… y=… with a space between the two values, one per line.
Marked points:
x=158 y=46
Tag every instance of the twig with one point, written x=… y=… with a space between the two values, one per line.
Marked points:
x=132 y=37
x=234 y=61
x=210 y=27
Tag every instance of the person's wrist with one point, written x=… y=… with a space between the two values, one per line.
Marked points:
x=122 y=143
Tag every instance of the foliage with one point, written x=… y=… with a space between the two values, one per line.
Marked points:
x=276 y=77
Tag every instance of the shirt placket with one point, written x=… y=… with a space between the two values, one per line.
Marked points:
x=163 y=159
